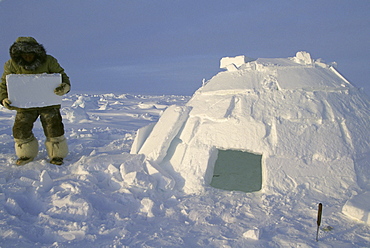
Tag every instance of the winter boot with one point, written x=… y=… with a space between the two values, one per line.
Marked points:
x=57 y=149
x=26 y=150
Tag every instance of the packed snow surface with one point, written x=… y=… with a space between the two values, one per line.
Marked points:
x=104 y=196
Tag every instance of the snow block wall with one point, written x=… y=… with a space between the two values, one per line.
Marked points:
x=307 y=122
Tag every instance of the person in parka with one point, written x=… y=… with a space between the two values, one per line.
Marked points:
x=27 y=56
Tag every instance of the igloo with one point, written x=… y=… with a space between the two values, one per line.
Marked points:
x=265 y=125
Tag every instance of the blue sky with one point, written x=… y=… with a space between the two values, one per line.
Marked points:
x=169 y=46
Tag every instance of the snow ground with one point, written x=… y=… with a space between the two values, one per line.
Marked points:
x=104 y=197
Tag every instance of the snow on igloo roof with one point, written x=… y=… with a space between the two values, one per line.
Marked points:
x=294 y=73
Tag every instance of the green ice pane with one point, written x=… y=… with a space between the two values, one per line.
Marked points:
x=237 y=170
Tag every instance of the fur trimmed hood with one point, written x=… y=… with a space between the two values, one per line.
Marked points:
x=27 y=45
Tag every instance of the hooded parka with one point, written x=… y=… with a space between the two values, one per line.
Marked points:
x=42 y=63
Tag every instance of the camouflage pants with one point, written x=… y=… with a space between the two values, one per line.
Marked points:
x=51 y=121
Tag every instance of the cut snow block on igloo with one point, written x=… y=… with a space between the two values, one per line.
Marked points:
x=358 y=207
x=233 y=63
x=274 y=124
x=160 y=136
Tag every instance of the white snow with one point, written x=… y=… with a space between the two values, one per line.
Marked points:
x=233 y=63
x=33 y=90
x=358 y=207
x=252 y=234
x=160 y=138
x=303 y=58
x=106 y=197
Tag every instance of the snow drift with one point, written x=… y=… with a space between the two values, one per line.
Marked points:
x=307 y=122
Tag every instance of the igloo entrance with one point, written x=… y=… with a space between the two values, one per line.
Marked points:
x=237 y=170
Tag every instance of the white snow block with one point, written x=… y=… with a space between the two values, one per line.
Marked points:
x=33 y=90
x=231 y=63
x=252 y=234
x=141 y=135
x=156 y=145
x=358 y=207
x=303 y=58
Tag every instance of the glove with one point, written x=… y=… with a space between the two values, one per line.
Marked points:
x=62 y=89
x=6 y=103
